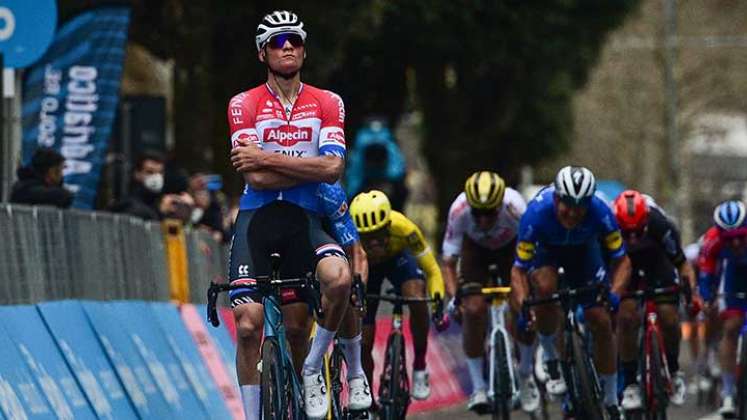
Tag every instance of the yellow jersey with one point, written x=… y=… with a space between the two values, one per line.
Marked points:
x=404 y=235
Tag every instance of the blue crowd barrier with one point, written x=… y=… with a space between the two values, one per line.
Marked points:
x=78 y=343
x=137 y=317
x=124 y=356
x=26 y=329
x=20 y=397
x=186 y=351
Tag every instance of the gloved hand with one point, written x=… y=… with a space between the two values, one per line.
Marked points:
x=614 y=301
x=439 y=317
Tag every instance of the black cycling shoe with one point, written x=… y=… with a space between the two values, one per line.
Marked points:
x=615 y=412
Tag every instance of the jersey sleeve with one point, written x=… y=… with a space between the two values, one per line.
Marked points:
x=708 y=257
x=527 y=237
x=419 y=249
x=609 y=230
x=332 y=130
x=515 y=204
x=241 y=121
x=667 y=235
x=452 y=244
x=335 y=206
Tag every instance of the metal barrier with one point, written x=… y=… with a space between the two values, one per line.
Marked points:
x=51 y=254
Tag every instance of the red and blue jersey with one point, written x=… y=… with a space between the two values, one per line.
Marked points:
x=335 y=208
x=313 y=127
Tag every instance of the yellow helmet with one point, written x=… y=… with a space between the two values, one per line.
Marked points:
x=485 y=190
x=370 y=211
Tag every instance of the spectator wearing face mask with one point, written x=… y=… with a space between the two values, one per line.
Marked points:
x=146 y=199
x=40 y=183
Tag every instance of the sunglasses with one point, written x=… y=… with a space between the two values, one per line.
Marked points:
x=633 y=234
x=477 y=213
x=278 y=41
x=377 y=235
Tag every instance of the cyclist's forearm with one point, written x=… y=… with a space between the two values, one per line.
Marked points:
x=311 y=169
x=519 y=287
x=621 y=274
x=450 y=275
x=360 y=262
x=269 y=180
x=686 y=272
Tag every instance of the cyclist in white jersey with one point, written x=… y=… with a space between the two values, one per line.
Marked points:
x=482 y=227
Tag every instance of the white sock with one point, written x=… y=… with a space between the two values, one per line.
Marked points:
x=351 y=348
x=610 y=389
x=250 y=398
x=548 y=347
x=319 y=346
x=526 y=357
x=474 y=365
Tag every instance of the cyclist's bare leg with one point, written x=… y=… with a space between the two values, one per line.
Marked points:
x=334 y=277
x=368 y=334
x=415 y=288
x=475 y=311
x=728 y=351
x=669 y=319
x=599 y=321
x=249 y=319
x=605 y=351
x=545 y=283
x=297 y=329
x=628 y=324
x=249 y=324
x=350 y=325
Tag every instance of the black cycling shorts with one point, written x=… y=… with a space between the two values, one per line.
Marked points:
x=283 y=228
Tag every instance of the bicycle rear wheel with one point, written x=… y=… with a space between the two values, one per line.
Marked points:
x=394 y=388
x=501 y=381
x=588 y=403
x=275 y=385
x=742 y=382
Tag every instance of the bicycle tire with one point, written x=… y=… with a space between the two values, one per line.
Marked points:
x=501 y=381
x=742 y=381
x=659 y=409
x=332 y=370
x=589 y=396
x=394 y=391
x=274 y=383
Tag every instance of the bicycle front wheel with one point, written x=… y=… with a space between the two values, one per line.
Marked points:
x=742 y=384
x=502 y=392
x=275 y=385
x=394 y=391
x=332 y=374
x=657 y=409
x=588 y=401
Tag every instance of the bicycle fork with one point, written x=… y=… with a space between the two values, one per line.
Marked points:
x=498 y=332
x=653 y=327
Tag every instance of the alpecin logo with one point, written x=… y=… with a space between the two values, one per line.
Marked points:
x=287 y=135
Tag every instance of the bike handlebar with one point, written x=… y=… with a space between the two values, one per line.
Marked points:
x=653 y=292
x=568 y=294
x=265 y=285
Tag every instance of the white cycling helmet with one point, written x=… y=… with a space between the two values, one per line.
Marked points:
x=729 y=214
x=278 y=22
x=575 y=184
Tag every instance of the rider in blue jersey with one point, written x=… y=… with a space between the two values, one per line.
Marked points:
x=567 y=226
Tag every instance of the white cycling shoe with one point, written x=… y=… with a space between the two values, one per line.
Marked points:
x=478 y=401
x=727 y=409
x=679 y=389
x=632 y=398
x=359 y=395
x=528 y=394
x=421 y=387
x=316 y=403
x=555 y=386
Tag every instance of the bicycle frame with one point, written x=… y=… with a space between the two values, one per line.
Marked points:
x=498 y=331
x=652 y=331
x=274 y=327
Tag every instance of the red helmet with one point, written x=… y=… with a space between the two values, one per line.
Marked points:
x=631 y=210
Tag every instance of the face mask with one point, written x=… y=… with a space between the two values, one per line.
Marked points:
x=154 y=183
x=197 y=214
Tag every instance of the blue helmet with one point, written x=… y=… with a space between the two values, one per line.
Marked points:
x=729 y=215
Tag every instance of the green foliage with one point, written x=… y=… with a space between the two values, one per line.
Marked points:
x=493 y=79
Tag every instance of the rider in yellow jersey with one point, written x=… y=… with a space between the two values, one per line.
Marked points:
x=397 y=251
